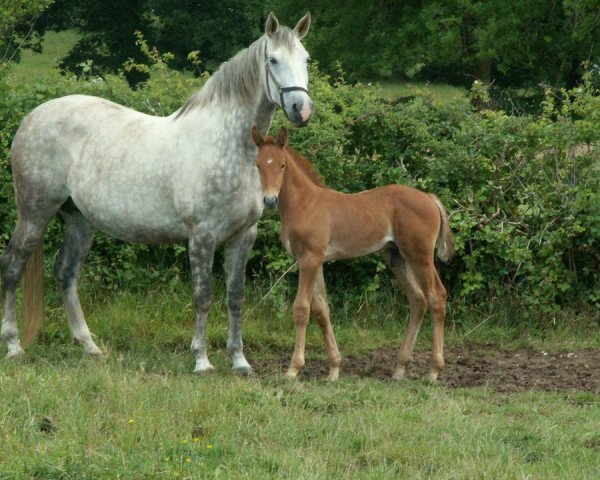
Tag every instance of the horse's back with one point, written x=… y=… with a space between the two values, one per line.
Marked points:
x=104 y=156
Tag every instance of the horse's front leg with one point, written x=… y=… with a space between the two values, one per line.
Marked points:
x=201 y=252
x=309 y=265
x=236 y=257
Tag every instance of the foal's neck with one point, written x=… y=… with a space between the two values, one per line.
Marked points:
x=297 y=189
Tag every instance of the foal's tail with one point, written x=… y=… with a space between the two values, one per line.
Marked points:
x=33 y=294
x=445 y=239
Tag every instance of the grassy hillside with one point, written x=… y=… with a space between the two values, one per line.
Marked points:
x=57 y=44
x=34 y=65
x=141 y=413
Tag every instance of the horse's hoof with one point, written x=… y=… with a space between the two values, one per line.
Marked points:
x=432 y=377
x=399 y=373
x=204 y=369
x=15 y=353
x=291 y=375
x=333 y=376
x=242 y=370
x=94 y=351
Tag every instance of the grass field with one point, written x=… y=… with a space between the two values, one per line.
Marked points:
x=141 y=413
x=439 y=91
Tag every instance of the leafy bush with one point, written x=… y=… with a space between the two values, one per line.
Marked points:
x=523 y=191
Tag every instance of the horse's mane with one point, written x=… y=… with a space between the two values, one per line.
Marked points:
x=238 y=77
x=302 y=162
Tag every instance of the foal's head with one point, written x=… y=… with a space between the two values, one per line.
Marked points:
x=271 y=161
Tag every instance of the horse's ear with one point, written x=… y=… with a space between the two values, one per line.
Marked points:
x=301 y=29
x=257 y=137
x=271 y=25
x=282 y=137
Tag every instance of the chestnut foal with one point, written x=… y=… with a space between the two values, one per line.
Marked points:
x=320 y=224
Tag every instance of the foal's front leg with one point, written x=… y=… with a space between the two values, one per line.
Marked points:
x=320 y=308
x=309 y=267
x=201 y=252
x=236 y=257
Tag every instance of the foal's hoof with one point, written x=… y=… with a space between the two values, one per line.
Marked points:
x=399 y=373
x=291 y=374
x=433 y=376
x=334 y=375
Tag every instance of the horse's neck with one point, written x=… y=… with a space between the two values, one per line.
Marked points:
x=235 y=95
x=264 y=114
x=297 y=189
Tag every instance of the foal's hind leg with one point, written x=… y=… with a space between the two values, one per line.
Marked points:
x=26 y=236
x=424 y=289
x=418 y=306
x=79 y=234
x=319 y=307
x=437 y=306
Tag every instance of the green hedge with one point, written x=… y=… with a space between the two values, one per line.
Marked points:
x=523 y=191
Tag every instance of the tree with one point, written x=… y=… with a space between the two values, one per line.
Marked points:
x=524 y=41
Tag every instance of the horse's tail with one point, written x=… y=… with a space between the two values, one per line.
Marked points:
x=445 y=239
x=33 y=294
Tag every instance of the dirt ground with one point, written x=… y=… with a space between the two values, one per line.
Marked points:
x=477 y=366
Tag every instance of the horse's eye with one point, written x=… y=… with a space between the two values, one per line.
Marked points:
x=283 y=166
x=308 y=60
x=273 y=60
x=258 y=167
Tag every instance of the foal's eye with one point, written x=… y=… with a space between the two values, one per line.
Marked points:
x=308 y=60
x=283 y=166
x=273 y=60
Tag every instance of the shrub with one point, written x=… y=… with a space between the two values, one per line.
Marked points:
x=522 y=191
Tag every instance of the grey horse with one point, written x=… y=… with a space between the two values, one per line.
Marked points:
x=190 y=177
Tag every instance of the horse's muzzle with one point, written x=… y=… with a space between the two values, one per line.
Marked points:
x=299 y=108
x=270 y=202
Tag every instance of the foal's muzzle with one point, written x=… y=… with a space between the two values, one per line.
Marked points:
x=270 y=202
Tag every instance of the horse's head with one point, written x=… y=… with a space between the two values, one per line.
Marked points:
x=271 y=161
x=286 y=69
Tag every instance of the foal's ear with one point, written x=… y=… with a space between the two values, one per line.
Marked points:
x=301 y=29
x=271 y=25
x=257 y=136
x=282 y=137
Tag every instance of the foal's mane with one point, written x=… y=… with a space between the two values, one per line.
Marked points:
x=238 y=78
x=302 y=162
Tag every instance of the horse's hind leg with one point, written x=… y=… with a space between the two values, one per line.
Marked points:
x=79 y=234
x=320 y=308
x=25 y=238
x=417 y=302
x=236 y=257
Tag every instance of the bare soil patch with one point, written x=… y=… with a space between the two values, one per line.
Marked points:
x=471 y=366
